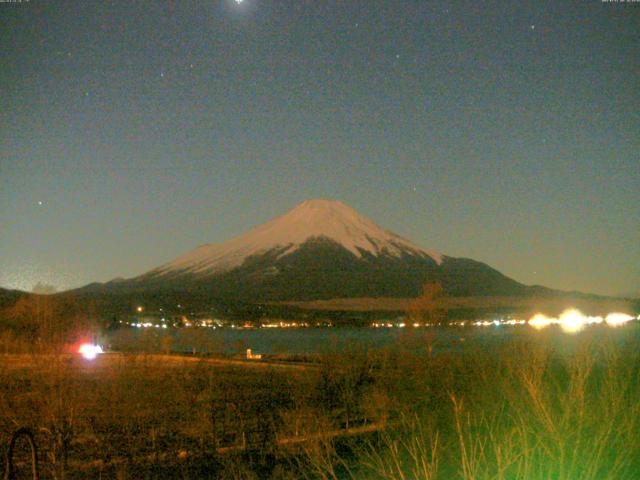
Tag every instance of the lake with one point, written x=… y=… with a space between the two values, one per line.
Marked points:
x=273 y=341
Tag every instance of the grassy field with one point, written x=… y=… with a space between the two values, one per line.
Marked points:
x=527 y=409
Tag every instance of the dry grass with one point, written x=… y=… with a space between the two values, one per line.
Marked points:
x=123 y=413
x=524 y=410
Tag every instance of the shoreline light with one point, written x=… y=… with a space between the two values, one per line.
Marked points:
x=616 y=319
x=572 y=321
x=89 y=351
x=540 y=321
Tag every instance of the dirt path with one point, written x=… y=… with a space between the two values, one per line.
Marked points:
x=26 y=361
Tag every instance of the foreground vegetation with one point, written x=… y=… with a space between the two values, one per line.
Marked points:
x=525 y=409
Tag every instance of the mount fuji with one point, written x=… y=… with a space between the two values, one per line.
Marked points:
x=310 y=221
x=320 y=249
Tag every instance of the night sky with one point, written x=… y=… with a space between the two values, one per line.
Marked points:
x=133 y=131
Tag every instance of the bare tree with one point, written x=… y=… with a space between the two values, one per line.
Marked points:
x=430 y=306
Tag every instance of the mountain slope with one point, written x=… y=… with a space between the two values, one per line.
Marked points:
x=10 y=297
x=311 y=219
x=321 y=268
x=321 y=249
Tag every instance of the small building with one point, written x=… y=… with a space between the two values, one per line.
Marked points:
x=253 y=356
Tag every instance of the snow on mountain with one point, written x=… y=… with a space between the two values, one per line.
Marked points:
x=311 y=219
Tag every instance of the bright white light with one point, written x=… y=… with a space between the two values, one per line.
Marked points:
x=572 y=320
x=540 y=321
x=89 y=351
x=594 y=320
x=238 y=1
x=617 y=319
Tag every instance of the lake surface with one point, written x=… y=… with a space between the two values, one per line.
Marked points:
x=340 y=339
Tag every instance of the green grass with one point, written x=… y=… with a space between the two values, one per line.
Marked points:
x=522 y=411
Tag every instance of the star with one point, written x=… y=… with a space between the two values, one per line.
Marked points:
x=533 y=27
x=40 y=202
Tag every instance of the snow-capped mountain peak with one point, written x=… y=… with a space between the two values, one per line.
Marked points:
x=311 y=219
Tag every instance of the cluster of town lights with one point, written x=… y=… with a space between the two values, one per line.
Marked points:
x=282 y=324
x=147 y=325
x=571 y=321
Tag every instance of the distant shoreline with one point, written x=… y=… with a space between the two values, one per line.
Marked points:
x=520 y=304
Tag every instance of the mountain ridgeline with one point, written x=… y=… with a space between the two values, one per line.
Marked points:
x=319 y=250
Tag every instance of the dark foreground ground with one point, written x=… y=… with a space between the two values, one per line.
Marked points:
x=524 y=409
